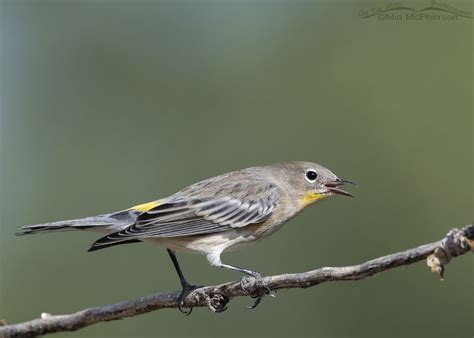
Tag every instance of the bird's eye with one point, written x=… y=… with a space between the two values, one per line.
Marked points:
x=311 y=176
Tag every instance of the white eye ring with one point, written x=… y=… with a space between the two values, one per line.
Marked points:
x=311 y=175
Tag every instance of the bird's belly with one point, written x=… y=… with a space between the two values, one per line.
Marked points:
x=206 y=244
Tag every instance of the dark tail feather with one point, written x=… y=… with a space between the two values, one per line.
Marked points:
x=80 y=224
x=103 y=223
x=98 y=222
x=102 y=244
x=42 y=228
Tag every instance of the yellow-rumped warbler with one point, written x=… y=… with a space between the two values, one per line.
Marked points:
x=219 y=214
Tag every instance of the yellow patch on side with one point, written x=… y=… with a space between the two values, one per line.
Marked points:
x=146 y=206
x=310 y=198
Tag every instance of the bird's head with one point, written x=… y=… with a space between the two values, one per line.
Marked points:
x=312 y=182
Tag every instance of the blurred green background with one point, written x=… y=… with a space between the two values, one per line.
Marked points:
x=107 y=104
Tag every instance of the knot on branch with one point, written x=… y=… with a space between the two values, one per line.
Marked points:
x=456 y=242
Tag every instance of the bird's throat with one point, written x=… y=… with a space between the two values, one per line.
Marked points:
x=310 y=198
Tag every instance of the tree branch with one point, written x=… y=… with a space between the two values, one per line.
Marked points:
x=438 y=254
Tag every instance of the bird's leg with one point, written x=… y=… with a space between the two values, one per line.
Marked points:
x=247 y=272
x=251 y=273
x=263 y=288
x=186 y=287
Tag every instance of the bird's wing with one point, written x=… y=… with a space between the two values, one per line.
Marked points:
x=218 y=206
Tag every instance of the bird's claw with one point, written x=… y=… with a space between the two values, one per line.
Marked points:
x=187 y=289
x=262 y=288
x=217 y=303
x=258 y=299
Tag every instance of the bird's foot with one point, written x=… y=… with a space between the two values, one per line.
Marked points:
x=187 y=289
x=217 y=303
x=262 y=288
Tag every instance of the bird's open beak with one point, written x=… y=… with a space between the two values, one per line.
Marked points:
x=333 y=187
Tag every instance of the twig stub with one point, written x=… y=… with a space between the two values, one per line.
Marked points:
x=456 y=242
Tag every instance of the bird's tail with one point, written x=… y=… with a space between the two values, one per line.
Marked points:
x=101 y=223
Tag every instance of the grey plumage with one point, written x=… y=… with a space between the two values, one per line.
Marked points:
x=223 y=205
x=265 y=195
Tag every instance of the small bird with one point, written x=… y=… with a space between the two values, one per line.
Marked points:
x=222 y=213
